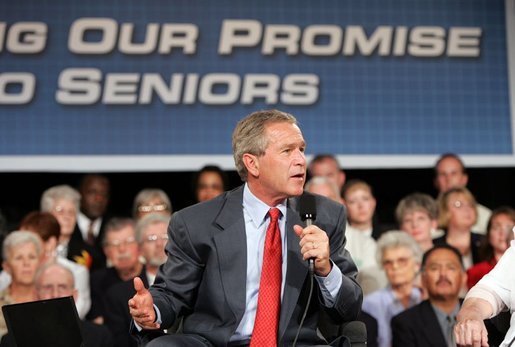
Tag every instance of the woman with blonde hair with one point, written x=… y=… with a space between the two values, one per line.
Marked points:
x=457 y=215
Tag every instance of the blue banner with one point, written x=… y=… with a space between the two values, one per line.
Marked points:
x=161 y=84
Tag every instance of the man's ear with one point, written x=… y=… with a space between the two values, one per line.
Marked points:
x=251 y=162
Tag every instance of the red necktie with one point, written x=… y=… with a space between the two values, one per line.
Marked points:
x=269 y=297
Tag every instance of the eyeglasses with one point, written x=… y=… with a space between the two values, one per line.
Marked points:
x=59 y=210
x=61 y=289
x=117 y=243
x=152 y=208
x=460 y=204
x=401 y=262
x=154 y=238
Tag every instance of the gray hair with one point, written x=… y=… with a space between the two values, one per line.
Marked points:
x=148 y=194
x=45 y=267
x=394 y=239
x=64 y=192
x=249 y=135
x=323 y=181
x=115 y=224
x=148 y=220
x=416 y=202
x=17 y=238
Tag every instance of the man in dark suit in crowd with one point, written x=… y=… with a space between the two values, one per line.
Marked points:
x=213 y=276
x=151 y=235
x=431 y=322
x=91 y=219
x=122 y=251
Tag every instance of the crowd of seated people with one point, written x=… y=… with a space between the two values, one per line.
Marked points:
x=103 y=253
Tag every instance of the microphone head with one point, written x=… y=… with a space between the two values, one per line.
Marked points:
x=307 y=207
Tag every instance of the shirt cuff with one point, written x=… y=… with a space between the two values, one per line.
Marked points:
x=158 y=318
x=330 y=285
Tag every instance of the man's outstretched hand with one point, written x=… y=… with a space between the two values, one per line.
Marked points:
x=141 y=306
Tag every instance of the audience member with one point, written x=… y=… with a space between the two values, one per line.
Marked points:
x=497 y=240
x=322 y=185
x=209 y=182
x=218 y=258
x=399 y=255
x=54 y=280
x=431 y=323
x=361 y=204
x=151 y=200
x=22 y=251
x=327 y=165
x=151 y=235
x=63 y=202
x=91 y=219
x=417 y=214
x=359 y=199
x=457 y=215
x=3 y=229
x=491 y=296
x=122 y=252
x=450 y=172
x=47 y=227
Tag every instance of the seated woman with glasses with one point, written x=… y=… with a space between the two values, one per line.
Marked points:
x=151 y=200
x=63 y=203
x=456 y=216
x=400 y=256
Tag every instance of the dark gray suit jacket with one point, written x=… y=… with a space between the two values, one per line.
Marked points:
x=204 y=277
x=418 y=327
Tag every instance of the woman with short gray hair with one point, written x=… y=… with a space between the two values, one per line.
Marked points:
x=63 y=203
x=400 y=257
x=22 y=255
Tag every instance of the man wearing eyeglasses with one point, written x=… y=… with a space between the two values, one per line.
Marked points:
x=122 y=251
x=54 y=280
x=151 y=237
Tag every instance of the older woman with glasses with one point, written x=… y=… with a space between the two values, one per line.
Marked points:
x=151 y=200
x=63 y=203
x=400 y=257
x=457 y=215
x=22 y=255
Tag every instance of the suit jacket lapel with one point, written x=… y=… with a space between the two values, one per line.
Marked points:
x=231 y=245
x=431 y=329
x=296 y=271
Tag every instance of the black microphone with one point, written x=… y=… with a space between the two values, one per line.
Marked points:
x=308 y=213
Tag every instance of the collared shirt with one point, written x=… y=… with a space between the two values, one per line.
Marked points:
x=383 y=305
x=84 y=222
x=256 y=217
x=446 y=325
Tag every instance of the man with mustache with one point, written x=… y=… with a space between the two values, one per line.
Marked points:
x=122 y=251
x=431 y=322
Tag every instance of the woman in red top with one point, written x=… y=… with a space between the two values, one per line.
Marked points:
x=498 y=236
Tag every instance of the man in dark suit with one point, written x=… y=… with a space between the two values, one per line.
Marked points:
x=151 y=235
x=91 y=219
x=431 y=322
x=217 y=249
x=56 y=281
